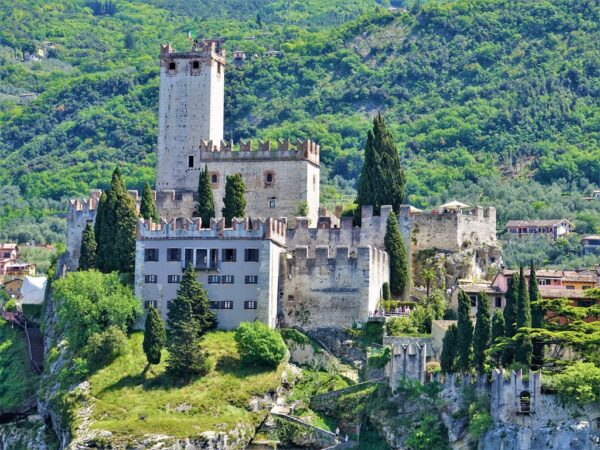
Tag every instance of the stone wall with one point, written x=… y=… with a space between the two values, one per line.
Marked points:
x=332 y=289
x=81 y=212
x=409 y=355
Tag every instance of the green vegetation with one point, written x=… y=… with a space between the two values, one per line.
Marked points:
x=87 y=255
x=205 y=208
x=89 y=302
x=154 y=336
x=537 y=318
x=497 y=332
x=104 y=347
x=235 y=198
x=481 y=336
x=579 y=383
x=17 y=381
x=394 y=245
x=464 y=336
x=259 y=345
x=510 y=319
x=147 y=206
x=115 y=228
x=524 y=347
x=449 y=350
x=131 y=402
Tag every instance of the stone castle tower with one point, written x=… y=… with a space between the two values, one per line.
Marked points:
x=191 y=103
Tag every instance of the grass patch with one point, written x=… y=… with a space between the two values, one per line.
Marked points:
x=17 y=381
x=131 y=402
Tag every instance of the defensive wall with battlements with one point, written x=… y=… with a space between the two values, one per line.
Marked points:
x=335 y=288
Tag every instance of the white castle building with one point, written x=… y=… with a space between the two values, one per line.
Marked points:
x=270 y=266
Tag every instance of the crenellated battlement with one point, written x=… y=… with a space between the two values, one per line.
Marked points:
x=286 y=150
x=84 y=205
x=204 y=49
x=186 y=228
x=342 y=254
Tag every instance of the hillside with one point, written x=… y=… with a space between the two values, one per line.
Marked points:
x=472 y=90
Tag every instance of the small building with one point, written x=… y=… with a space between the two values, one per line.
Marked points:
x=438 y=331
x=590 y=244
x=19 y=269
x=26 y=98
x=239 y=57
x=552 y=228
x=13 y=288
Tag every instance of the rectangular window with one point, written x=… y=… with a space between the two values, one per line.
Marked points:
x=250 y=304
x=251 y=254
x=150 y=278
x=473 y=300
x=251 y=279
x=584 y=303
x=272 y=203
x=151 y=254
x=215 y=305
x=227 y=304
x=173 y=254
x=214 y=279
x=189 y=256
x=227 y=279
x=569 y=287
x=149 y=303
x=190 y=161
x=174 y=278
x=498 y=302
x=214 y=258
x=228 y=255
x=201 y=258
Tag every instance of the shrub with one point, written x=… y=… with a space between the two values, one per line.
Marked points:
x=104 y=347
x=292 y=336
x=397 y=326
x=386 y=291
x=11 y=305
x=257 y=344
x=433 y=367
x=579 y=383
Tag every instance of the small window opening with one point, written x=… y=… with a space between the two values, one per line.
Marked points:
x=190 y=161
x=196 y=65
x=525 y=400
x=172 y=66
x=269 y=178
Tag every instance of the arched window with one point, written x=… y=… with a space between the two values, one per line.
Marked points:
x=525 y=402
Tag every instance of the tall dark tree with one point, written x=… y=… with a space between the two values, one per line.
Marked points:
x=147 y=206
x=100 y=231
x=116 y=241
x=205 y=209
x=382 y=178
x=465 y=332
x=449 y=348
x=235 y=198
x=481 y=338
x=87 y=255
x=154 y=336
x=186 y=356
x=510 y=318
x=524 y=347
x=537 y=318
x=497 y=331
x=394 y=246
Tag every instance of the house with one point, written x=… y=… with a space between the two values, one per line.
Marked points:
x=9 y=252
x=590 y=244
x=13 y=288
x=552 y=228
x=19 y=269
x=239 y=57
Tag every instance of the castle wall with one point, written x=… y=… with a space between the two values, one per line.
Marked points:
x=332 y=289
x=191 y=104
x=81 y=212
x=409 y=355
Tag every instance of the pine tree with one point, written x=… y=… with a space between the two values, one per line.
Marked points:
x=118 y=220
x=147 y=206
x=394 y=246
x=524 y=347
x=497 y=331
x=510 y=319
x=465 y=333
x=382 y=178
x=205 y=209
x=100 y=235
x=481 y=338
x=87 y=255
x=154 y=336
x=235 y=199
x=537 y=319
x=449 y=347
x=187 y=324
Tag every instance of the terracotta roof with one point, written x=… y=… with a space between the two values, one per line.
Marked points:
x=565 y=275
x=476 y=288
x=8 y=245
x=562 y=293
x=534 y=223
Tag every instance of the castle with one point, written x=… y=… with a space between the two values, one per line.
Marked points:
x=315 y=271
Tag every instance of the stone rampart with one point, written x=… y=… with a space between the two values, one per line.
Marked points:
x=334 y=288
x=409 y=355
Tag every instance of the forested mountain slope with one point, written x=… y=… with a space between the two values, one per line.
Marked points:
x=472 y=90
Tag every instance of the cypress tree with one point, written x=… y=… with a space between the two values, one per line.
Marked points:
x=186 y=357
x=394 y=246
x=382 y=178
x=205 y=208
x=481 y=338
x=100 y=231
x=537 y=318
x=154 y=336
x=235 y=199
x=510 y=318
x=465 y=332
x=449 y=347
x=191 y=289
x=524 y=347
x=147 y=206
x=87 y=255
x=497 y=331
x=116 y=243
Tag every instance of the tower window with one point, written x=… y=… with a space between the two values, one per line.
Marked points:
x=191 y=161
x=196 y=65
x=272 y=202
x=172 y=66
x=219 y=68
x=269 y=178
x=214 y=178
